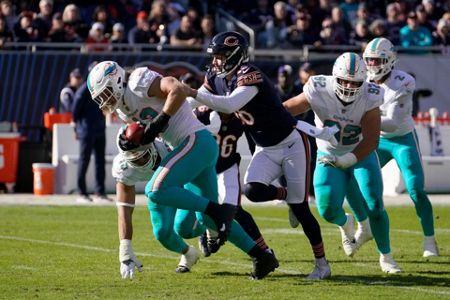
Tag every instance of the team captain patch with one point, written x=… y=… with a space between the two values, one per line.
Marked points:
x=250 y=78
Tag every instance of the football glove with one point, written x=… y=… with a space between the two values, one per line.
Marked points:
x=158 y=125
x=343 y=162
x=326 y=133
x=128 y=260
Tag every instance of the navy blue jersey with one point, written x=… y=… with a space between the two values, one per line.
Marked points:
x=230 y=131
x=264 y=117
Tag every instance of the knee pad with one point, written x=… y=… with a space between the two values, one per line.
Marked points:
x=258 y=192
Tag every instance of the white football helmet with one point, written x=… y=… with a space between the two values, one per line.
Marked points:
x=383 y=50
x=145 y=156
x=349 y=67
x=106 y=84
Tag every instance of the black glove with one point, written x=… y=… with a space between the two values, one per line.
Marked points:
x=126 y=145
x=155 y=127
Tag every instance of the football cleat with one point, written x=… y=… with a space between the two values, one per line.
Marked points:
x=187 y=260
x=430 y=247
x=203 y=245
x=388 y=264
x=222 y=215
x=263 y=265
x=348 y=236
x=363 y=234
x=321 y=270
x=293 y=221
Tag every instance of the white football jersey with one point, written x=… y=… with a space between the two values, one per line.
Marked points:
x=397 y=102
x=138 y=106
x=128 y=175
x=330 y=111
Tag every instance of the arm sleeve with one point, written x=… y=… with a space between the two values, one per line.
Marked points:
x=396 y=113
x=227 y=104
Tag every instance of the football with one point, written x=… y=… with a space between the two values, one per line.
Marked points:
x=134 y=133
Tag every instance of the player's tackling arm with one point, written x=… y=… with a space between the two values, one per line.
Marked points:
x=370 y=124
x=226 y=104
x=297 y=105
x=170 y=89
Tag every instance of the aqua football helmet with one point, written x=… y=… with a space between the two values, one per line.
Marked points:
x=380 y=58
x=348 y=67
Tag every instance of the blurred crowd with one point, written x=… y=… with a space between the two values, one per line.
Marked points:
x=285 y=24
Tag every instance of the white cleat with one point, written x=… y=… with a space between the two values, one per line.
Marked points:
x=348 y=236
x=187 y=260
x=321 y=270
x=388 y=264
x=363 y=233
x=430 y=247
x=293 y=221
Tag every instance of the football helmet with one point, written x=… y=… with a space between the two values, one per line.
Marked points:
x=383 y=50
x=348 y=67
x=145 y=156
x=233 y=47
x=106 y=85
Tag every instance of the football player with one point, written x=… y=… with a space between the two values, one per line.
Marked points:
x=227 y=134
x=170 y=225
x=398 y=139
x=159 y=101
x=347 y=101
x=232 y=85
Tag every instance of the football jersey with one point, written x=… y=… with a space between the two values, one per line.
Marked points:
x=330 y=111
x=128 y=175
x=398 y=93
x=227 y=137
x=138 y=106
x=264 y=117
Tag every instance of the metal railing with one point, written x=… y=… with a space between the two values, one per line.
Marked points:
x=307 y=52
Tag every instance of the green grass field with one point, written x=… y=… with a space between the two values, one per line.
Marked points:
x=50 y=252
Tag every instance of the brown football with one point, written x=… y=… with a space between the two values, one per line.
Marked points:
x=134 y=133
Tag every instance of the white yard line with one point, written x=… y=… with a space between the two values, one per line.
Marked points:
x=385 y=283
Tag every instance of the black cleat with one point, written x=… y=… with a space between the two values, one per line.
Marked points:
x=263 y=265
x=222 y=215
x=203 y=245
x=213 y=245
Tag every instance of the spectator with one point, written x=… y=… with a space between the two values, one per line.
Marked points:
x=393 y=23
x=68 y=92
x=118 y=34
x=186 y=35
x=57 y=33
x=73 y=23
x=442 y=34
x=362 y=14
x=140 y=34
x=341 y=26
x=285 y=83
x=208 y=30
x=6 y=10
x=24 y=29
x=158 y=22
x=90 y=131
x=257 y=18
x=378 y=28
x=43 y=20
x=349 y=9
x=329 y=35
x=174 y=11
x=433 y=13
x=102 y=16
x=276 y=28
x=5 y=34
x=97 y=41
x=423 y=20
x=413 y=34
x=301 y=33
x=361 y=36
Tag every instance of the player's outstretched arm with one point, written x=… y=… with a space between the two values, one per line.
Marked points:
x=125 y=206
x=297 y=105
